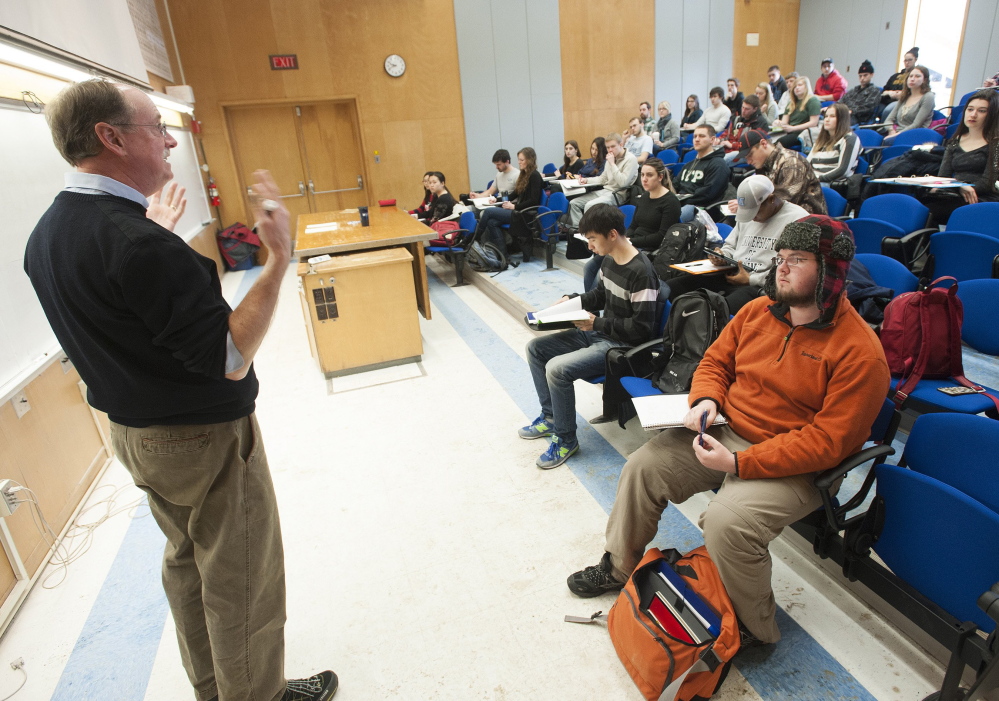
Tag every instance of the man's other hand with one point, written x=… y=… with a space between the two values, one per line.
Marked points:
x=714 y=455
x=167 y=206
x=585 y=325
x=693 y=418
x=739 y=278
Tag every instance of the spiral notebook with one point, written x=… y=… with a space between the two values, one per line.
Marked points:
x=665 y=411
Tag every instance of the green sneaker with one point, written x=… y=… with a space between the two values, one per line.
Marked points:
x=539 y=428
x=558 y=452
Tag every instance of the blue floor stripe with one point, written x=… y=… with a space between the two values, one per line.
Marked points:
x=249 y=277
x=114 y=655
x=797 y=668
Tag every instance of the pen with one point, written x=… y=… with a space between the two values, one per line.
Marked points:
x=704 y=425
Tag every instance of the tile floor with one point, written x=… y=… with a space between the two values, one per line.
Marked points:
x=426 y=555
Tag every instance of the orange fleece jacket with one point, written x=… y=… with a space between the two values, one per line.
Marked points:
x=805 y=396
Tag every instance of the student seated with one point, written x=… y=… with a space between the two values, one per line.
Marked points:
x=768 y=105
x=760 y=218
x=778 y=85
x=733 y=97
x=637 y=142
x=863 y=100
x=893 y=88
x=792 y=175
x=914 y=109
x=717 y=115
x=526 y=193
x=626 y=292
x=656 y=210
x=704 y=179
x=506 y=177
x=572 y=163
x=802 y=113
x=620 y=171
x=692 y=112
x=836 y=149
x=749 y=118
x=785 y=98
x=970 y=156
x=648 y=120
x=667 y=132
x=443 y=204
x=831 y=85
x=428 y=197
x=800 y=376
x=598 y=158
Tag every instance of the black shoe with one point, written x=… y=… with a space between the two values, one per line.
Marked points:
x=603 y=419
x=594 y=581
x=746 y=639
x=319 y=687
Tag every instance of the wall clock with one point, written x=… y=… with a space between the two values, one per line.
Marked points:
x=395 y=66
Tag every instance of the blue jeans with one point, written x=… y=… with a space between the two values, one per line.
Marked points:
x=687 y=213
x=491 y=226
x=556 y=361
x=590 y=270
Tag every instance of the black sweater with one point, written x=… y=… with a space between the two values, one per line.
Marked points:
x=530 y=197
x=705 y=179
x=652 y=219
x=139 y=312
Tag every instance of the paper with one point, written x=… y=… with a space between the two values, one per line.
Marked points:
x=699 y=267
x=569 y=310
x=573 y=188
x=482 y=202
x=726 y=210
x=665 y=411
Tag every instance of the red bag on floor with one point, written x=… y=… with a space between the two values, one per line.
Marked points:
x=673 y=626
x=236 y=244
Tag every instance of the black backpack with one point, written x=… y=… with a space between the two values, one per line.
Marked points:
x=682 y=244
x=695 y=321
x=486 y=258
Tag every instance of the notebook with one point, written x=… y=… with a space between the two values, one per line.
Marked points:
x=558 y=316
x=665 y=411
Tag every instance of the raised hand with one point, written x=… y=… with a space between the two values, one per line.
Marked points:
x=167 y=206
x=272 y=218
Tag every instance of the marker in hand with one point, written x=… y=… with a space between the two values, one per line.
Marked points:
x=704 y=425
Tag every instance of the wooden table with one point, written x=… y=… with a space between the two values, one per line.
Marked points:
x=341 y=232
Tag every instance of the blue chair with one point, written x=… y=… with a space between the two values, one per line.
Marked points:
x=979 y=327
x=658 y=334
x=888 y=272
x=912 y=137
x=835 y=202
x=668 y=156
x=869 y=137
x=963 y=255
x=904 y=211
x=629 y=212
x=869 y=234
x=862 y=166
x=546 y=225
x=826 y=103
x=544 y=198
x=456 y=253
x=981 y=218
x=686 y=143
x=894 y=151
x=724 y=230
x=549 y=169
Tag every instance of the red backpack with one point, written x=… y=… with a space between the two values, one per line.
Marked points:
x=921 y=335
x=236 y=244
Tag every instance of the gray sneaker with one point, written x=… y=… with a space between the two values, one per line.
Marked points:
x=319 y=687
x=539 y=428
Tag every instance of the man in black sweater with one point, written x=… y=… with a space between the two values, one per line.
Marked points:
x=703 y=181
x=142 y=317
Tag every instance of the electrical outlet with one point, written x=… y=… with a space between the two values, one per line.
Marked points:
x=8 y=500
x=20 y=404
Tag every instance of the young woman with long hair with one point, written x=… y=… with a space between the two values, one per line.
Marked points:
x=428 y=197
x=836 y=148
x=598 y=157
x=693 y=110
x=914 y=109
x=768 y=105
x=572 y=163
x=526 y=194
x=443 y=204
x=801 y=115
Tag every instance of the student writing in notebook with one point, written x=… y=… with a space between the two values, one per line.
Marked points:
x=811 y=379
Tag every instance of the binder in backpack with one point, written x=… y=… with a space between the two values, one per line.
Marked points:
x=921 y=336
x=673 y=626
x=237 y=244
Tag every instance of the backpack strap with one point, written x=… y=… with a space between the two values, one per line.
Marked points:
x=964 y=381
x=598 y=616
x=912 y=376
x=708 y=662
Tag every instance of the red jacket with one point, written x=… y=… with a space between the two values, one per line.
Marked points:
x=833 y=84
x=805 y=396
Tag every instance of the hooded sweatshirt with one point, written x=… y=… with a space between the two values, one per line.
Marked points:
x=705 y=179
x=752 y=242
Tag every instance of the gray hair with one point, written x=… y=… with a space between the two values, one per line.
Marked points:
x=77 y=109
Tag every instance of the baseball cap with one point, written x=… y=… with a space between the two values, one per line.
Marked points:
x=825 y=61
x=748 y=140
x=753 y=191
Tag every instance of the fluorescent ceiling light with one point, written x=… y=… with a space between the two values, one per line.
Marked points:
x=41 y=64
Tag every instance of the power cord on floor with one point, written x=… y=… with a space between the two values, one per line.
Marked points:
x=18 y=666
x=68 y=551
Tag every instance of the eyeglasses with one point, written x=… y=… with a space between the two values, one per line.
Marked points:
x=792 y=261
x=161 y=126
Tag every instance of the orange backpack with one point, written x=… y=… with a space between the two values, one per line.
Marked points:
x=674 y=651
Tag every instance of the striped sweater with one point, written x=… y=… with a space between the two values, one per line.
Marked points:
x=627 y=295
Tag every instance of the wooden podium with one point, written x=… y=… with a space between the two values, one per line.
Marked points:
x=362 y=306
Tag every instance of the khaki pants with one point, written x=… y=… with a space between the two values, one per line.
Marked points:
x=738 y=525
x=210 y=491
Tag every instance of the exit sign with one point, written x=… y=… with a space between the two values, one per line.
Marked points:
x=284 y=62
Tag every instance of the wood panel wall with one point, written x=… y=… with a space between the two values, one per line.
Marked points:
x=55 y=449
x=204 y=243
x=415 y=122
x=776 y=21
x=608 y=65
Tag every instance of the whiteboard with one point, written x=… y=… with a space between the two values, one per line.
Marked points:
x=31 y=175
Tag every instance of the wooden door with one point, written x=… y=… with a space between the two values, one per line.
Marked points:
x=331 y=142
x=266 y=137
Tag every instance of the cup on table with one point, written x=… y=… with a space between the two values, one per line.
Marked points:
x=363 y=211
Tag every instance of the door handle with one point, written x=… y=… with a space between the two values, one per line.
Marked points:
x=314 y=191
x=301 y=192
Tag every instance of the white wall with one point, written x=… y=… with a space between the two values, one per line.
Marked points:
x=509 y=56
x=693 y=49
x=850 y=31
x=980 y=52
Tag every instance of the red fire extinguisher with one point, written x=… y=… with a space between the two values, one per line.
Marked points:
x=213 y=193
